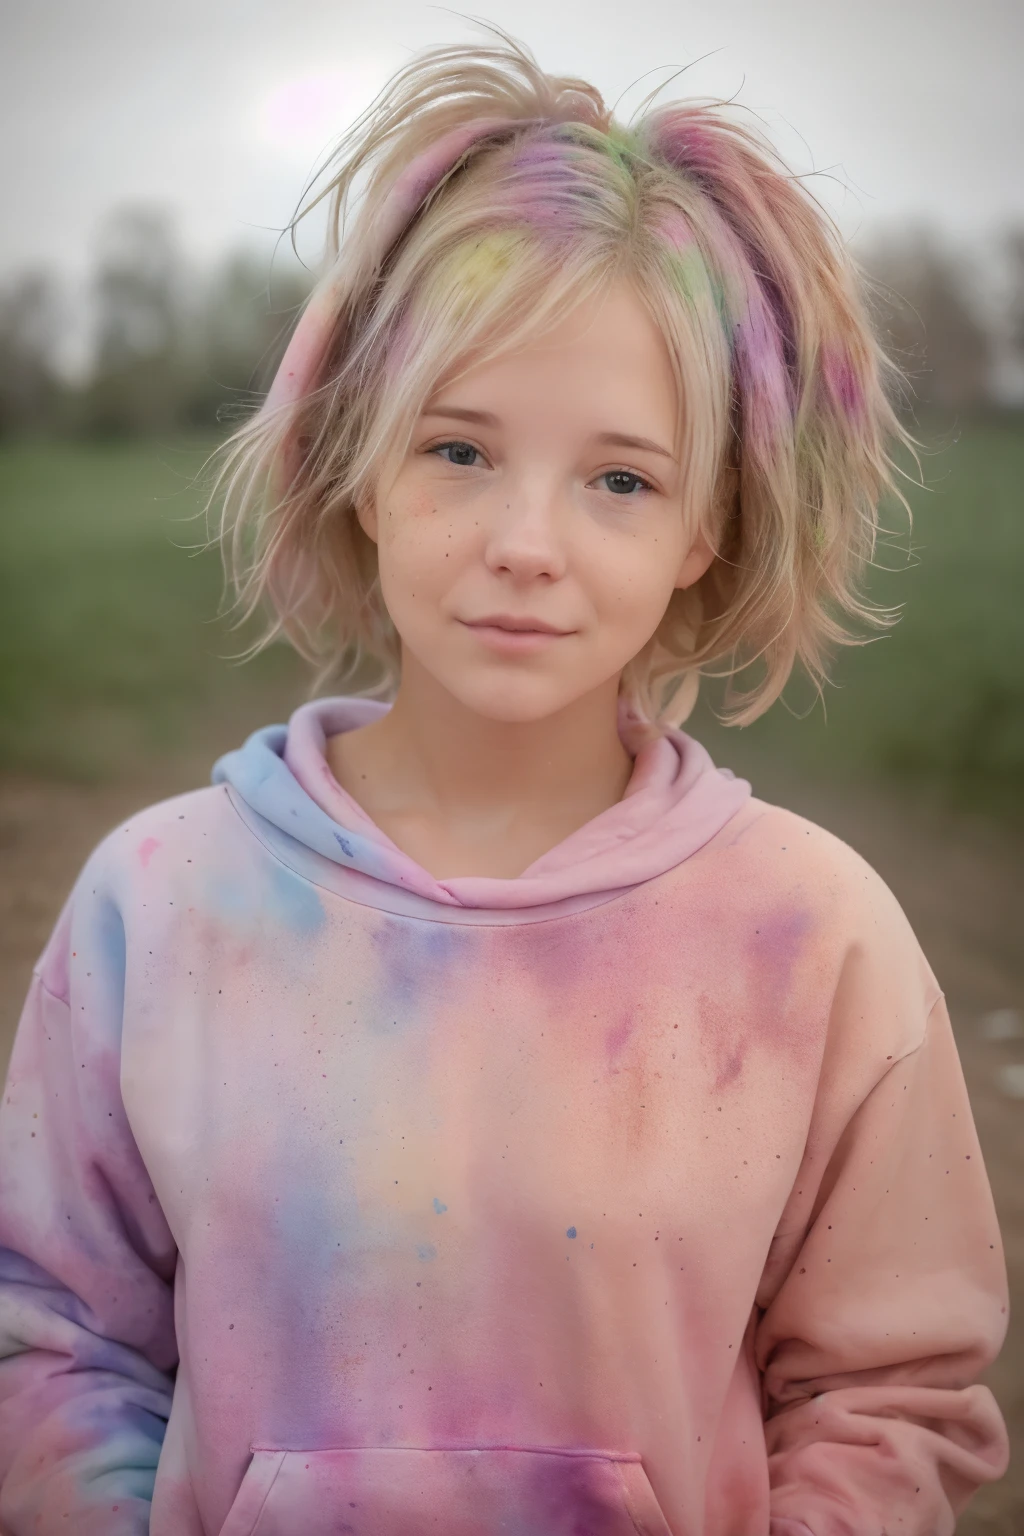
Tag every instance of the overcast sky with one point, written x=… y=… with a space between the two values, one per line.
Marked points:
x=220 y=108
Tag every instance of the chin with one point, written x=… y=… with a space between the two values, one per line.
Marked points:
x=513 y=701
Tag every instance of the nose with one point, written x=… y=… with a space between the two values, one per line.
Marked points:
x=526 y=533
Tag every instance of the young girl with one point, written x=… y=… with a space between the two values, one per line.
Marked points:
x=475 y=1112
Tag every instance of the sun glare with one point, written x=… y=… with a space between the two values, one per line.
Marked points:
x=312 y=109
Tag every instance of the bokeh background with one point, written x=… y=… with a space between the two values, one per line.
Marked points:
x=154 y=157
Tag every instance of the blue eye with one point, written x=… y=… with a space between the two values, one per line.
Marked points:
x=618 y=474
x=454 y=443
x=627 y=474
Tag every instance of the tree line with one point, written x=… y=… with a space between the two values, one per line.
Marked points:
x=175 y=348
x=172 y=346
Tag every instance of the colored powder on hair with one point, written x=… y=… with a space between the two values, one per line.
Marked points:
x=688 y=269
x=478 y=267
x=621 y=144
x=841 y=379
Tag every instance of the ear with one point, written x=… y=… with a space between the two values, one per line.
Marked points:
x=366 y=513
x=696 y=562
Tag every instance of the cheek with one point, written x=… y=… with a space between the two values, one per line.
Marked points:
x=421 y=505
x=636 y=580
x=405 y=515
x=417 y=550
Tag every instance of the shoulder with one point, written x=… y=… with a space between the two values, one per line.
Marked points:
x=784 y=847
x=165 y=826
x=783 y=859
x=97 y=895
x=157 y=845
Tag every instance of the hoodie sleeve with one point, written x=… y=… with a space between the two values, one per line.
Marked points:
x=87 y=1341
x=893 y=1301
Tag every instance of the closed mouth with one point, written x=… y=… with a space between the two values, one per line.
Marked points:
x=516 y=626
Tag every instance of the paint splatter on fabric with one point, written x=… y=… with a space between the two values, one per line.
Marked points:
x=335 y=1197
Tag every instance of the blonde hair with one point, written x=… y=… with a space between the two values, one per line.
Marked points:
x=785 y=423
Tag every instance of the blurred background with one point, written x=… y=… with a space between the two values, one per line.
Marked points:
x=155 y=156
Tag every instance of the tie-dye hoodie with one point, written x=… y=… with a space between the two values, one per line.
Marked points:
x=639 y=1193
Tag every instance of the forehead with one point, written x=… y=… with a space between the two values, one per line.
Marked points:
x=606 y=352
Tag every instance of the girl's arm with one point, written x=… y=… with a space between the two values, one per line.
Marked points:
x=87 y=1341
x=894 y=1302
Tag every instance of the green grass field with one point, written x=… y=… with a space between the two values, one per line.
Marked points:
x=938 y=700
x=111 y=650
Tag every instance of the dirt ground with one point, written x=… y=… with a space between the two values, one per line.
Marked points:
x=960 y=881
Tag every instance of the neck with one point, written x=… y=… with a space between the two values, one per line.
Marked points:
x=432 y=755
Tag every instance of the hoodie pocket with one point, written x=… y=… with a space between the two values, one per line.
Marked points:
x=486 y=1491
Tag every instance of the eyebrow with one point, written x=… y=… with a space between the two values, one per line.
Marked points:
x=612 y=439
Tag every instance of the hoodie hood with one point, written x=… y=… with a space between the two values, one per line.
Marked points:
x=675 y=802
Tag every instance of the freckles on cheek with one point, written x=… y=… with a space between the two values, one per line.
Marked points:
x=422 y=504
x=417 y=552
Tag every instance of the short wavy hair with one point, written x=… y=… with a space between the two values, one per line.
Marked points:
x=786 y=424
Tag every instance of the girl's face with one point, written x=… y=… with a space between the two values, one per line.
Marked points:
x=520 y=499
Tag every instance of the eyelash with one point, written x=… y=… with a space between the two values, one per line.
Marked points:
x=459 y=442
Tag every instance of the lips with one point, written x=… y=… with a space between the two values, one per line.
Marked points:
x=515 y=625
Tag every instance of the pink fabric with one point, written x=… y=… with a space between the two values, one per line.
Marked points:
x=675 y=801
x=327 y=1205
